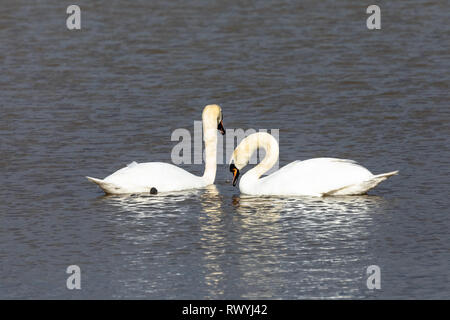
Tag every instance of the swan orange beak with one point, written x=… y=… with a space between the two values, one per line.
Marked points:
x=235 y=172
x=221 y=128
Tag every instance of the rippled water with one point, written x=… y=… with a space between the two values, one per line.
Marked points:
x=76 y=103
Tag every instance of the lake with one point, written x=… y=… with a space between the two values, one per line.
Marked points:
x=88 y=102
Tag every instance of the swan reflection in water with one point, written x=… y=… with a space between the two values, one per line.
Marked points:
x=170 y=228
x=288 y=243
x=261 y=246
x=213 y=241
x=139 y=203
x=260 y=242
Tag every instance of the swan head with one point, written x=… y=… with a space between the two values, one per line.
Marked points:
x=244 y=151
x=238 y=161
x=241 y=157
x=212 y=117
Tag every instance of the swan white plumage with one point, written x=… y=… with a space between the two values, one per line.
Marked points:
x=313 y=177
x=165 y=177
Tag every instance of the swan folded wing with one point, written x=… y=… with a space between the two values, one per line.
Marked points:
x=139 y=177
x=361 y=187
x=314 y=177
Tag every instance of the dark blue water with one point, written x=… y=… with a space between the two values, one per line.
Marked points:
x=87 y=102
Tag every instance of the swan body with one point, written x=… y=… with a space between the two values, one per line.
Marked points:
x=313 y=177
x=165 y=177
x=141 y=177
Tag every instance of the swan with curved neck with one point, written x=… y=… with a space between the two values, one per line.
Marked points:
x=313 y=177
x=152 y=177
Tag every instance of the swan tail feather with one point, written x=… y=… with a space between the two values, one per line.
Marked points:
x=107 y=187
x=387 y=175
x=361 y=187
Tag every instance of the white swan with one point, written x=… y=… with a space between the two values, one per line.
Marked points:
x=152 y=177
x=313 y=177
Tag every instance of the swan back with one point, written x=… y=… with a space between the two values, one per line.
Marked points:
x=314 y=177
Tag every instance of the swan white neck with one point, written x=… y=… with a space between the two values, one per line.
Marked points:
x=249 y=145
x=209 y=119
x=210 y=138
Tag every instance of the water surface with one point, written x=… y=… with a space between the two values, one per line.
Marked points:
x=77 y=103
